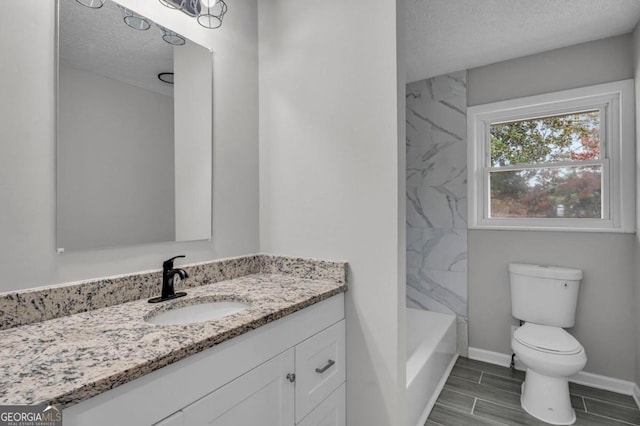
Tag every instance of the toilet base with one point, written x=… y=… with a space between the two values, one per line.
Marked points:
x=547 y=398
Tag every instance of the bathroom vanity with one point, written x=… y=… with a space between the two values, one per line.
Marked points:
x=267 y=376
x=279 y=361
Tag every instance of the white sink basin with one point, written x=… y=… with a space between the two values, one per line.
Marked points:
x=197 y=313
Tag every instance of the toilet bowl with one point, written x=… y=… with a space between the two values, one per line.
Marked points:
x=551 y=356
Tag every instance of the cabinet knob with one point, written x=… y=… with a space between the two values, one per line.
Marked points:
x=291 y=377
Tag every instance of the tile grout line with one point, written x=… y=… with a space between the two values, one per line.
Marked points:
x=494 y=387
x=477 y=398
x=474 y=405
x=464 y=412
x=495 y=374
x=486 y=418
x=584 y=399
x=614 y=419
x=499 y=404
x=480 y=370
x=501 y=377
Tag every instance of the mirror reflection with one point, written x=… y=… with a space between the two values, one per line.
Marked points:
x=134 y=130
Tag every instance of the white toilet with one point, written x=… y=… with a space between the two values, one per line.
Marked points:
x=545 y=297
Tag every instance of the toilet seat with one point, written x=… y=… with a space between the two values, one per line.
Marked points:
x=543 y=338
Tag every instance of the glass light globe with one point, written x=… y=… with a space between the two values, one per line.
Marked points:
x=208 y=3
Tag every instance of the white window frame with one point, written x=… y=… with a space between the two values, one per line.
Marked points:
x=615 y=101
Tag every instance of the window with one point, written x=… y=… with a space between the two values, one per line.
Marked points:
x=559 y=161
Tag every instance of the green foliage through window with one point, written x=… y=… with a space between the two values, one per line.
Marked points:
x=567 y=137
x=548 y=191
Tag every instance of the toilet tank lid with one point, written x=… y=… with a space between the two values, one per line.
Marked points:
x=542 y=271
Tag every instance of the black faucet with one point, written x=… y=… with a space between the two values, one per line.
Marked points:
x=168 y=273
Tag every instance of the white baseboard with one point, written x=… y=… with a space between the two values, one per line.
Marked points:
x=583 y=378
x=436 y=392
x=603 y=382
x=496 y=358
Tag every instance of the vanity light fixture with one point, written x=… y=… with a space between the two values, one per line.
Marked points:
x=93 y=4
x=172 y=4
x=190 y=7
x=208 y=13
x=211 y=13
x=166 y=77
x=139 y=22
x=171 y=37
x=134 y=20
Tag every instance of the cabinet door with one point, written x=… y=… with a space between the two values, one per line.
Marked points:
x=176 y=419
x=330 y=412
x=320 y=368
x=263 y=396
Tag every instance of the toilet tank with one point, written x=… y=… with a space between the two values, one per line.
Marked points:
x=546 y=295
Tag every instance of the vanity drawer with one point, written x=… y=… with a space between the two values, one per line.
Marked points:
x=320 y=368
x=330 y=412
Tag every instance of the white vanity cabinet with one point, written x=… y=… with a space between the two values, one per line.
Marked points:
x=262 y=396
x=307 y=380
x=246 y=381
x=320 y=368
x=176 y=419
x=330 y=412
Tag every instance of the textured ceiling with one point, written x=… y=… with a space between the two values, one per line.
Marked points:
x=99 y=41
x=452 y=35
x=442 y=35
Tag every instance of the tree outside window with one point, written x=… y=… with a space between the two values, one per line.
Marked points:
x=544 y=167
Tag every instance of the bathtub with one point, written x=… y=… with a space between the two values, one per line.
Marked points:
x=431 y=353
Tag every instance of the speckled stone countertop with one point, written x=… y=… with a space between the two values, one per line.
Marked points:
x=68 y=359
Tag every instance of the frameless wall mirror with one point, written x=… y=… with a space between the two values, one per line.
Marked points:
x=134 y=124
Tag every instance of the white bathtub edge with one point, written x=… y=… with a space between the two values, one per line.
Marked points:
x=436 y=392
x=583 y=378
x=429 y=355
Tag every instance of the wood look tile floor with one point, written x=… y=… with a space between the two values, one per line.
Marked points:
x=477 y=393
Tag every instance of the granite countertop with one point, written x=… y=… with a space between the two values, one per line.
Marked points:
x=69 y=359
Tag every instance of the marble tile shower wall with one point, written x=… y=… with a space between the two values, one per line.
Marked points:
x=437 y=194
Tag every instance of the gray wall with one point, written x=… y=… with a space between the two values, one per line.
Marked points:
x=636 y=285
x=110 y=132
x=605 y=323
x=586 y=64
x=27 y=176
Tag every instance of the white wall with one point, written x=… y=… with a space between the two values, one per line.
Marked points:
x=111 y=131
x=605 y=323
x=331 y=173
x=27 y=174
